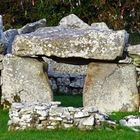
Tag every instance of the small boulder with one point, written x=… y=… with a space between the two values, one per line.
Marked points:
x=130 y=121
x=73 y=21
x=31 y=27
x=100 y=26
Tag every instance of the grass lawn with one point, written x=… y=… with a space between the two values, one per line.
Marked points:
x=69 y=100
x=118 y=133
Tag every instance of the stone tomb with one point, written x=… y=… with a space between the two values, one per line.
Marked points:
x=109 y=86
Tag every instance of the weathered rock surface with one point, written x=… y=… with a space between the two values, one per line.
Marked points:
x=60 y=68
x=24 y=81
x=111 y=87
x=9 y=36
x=135 y=49
x=100 y=25
x=66 y=78
x=73 y=21
x=1 y=36
x=50 y=116
x=66 y=42
x=130 y=121
x=31 y=27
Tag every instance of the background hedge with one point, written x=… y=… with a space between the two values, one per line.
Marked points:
x=118 y=14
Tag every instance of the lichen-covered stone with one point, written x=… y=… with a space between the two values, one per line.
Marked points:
x=134 y=53
x=25 y=115
x=73 y=21
x=111 y=87
x=135 y=49
x=100 y=26
x=66 y=42
x=24 y=81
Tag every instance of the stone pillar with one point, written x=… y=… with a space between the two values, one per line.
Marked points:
x=111 y=87
x=24 y=81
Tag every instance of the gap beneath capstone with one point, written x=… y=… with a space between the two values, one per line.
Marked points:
x=67 y=79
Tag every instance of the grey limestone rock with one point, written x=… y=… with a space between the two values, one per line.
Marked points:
x=9 y=36
x=24 y=81
x=134 y=53
x=134 y=49
x=31 y=27
x=130 y=121
x=111 y=87
x=1 y=36
x=66 y=42
x=61 y=69
x=100 y=26
x=73 y=21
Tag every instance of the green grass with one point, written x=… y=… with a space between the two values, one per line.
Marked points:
x=119 y=115
x=69 y=100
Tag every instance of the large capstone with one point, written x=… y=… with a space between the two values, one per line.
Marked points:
x=67 y=42
x=24 y=81
x=111 y=87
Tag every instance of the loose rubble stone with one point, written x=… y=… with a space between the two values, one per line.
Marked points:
x=66 y=42
x=31 y=27
x=9 y=37
x=81 y=114
x=58 y=117
x=100 y=25
x=24 y=81
x=130 y=121
x=135 y=49
x=111 y=87
x=73 y=21
x=134 y=53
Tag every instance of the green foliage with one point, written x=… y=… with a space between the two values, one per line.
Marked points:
x=118 y=14
x=134 y=38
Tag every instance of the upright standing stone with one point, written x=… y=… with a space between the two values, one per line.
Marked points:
x=111 y=87
x=24 y=81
